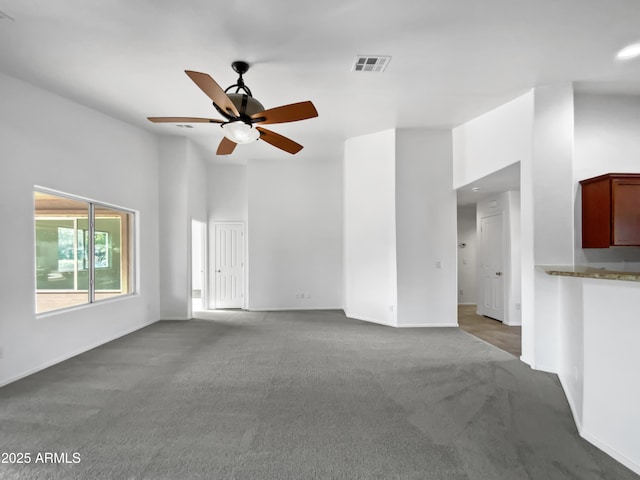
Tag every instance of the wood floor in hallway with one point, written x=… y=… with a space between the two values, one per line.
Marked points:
x=491 y=331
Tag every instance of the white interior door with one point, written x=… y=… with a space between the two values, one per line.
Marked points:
x=229 y=272
x=491 y=267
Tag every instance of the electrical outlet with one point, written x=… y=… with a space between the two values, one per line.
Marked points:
x=461 y=292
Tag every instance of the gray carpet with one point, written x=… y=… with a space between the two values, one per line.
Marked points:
x=295 y=395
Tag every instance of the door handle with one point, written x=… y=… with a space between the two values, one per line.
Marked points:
x=218 y=271
x=497 y=273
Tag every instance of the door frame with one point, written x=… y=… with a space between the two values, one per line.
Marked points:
x=205 y=265
x=214 y=257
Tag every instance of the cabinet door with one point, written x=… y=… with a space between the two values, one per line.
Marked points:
x=596 y=214
x=625 y=212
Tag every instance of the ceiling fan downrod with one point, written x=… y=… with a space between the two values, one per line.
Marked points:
x=240 y=68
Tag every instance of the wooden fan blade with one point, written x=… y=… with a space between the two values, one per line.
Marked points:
x=287 y=113
x=277 y=140
x=209 y=86
x=183 y=120
x=226 y=147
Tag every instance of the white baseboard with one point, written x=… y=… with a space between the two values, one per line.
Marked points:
x=428 y=325
x=572 y=404
x=377 y=322
x=73 y=354
x=518 y=324
x=289 y=309
x=370 y=320
x=527 y=360
x=612 y=452
x=174 y=318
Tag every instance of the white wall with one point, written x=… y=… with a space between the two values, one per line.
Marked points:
x=76 y=150
x=369 y=228
x=295 y=233
x=183 y=197
x=571 y=368
x=552 y=175
x=600 y=360
x=467 y=271
x=425 y=211
x=197 y=187
x=227 y=186
x=174 y=247
x=611 y=359
x=515 y=264
x=606 y=141
x=549 y=182
x=495 y=140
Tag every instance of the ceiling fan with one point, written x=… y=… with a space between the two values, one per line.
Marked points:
x=243 y=113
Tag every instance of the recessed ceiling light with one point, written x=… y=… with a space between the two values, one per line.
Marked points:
x=475 y=189
x=629 y=52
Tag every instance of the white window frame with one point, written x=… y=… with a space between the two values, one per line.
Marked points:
x=132 y=263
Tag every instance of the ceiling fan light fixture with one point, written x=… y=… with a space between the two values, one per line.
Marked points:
x=240 y=132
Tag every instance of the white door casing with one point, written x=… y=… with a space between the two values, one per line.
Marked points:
x=491 y=267
x=229 y=265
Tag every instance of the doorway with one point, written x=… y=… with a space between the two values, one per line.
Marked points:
x=198 y=265
x=229 y=264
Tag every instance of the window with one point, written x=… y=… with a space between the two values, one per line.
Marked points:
x=83 y=251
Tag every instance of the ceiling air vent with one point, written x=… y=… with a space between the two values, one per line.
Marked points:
x=371 y=63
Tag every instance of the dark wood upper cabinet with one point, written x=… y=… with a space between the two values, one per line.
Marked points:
x=611 y=210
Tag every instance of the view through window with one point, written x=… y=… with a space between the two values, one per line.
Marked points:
x=84 y=252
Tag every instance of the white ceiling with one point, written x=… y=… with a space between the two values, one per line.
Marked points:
x=451 y=60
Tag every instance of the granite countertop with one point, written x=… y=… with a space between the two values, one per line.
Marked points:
x=590 y=272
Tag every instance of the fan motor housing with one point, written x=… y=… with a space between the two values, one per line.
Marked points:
x=245 y=104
